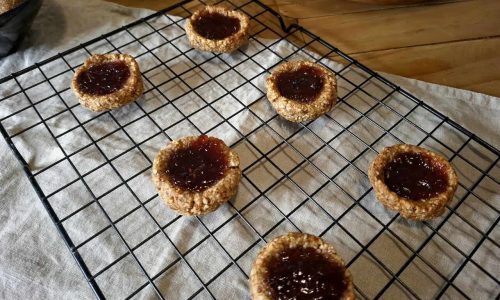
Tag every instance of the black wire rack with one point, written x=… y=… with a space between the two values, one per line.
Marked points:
x=91 y=171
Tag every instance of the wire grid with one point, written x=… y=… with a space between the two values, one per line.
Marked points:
x=309 y=164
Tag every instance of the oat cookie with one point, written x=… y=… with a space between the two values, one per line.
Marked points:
x=196 y=174
x=301 y=91
x=6 y=5
x=217 y=29
x=299 y=265
x=414 y=181
x=107 y=81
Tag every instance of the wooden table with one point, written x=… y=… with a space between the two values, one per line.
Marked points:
x=449 y=42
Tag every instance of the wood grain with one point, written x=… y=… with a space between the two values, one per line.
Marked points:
x=322 y=8
x=471 y=65
x=408 y=26
x=450 y=42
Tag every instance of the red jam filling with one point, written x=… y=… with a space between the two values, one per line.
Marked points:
x=415 y=176
x=104 y=78
x=303 y=273
x=199 y=166
x=215 y=26
x=303 y=85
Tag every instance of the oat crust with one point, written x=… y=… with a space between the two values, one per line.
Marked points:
x=258 y=287
x=6 y=5
x=130 y=91
x=420 y=210
x=227 y=45
x=296 y=111
x=194 y=203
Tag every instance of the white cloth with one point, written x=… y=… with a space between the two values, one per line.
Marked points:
x=34 y=263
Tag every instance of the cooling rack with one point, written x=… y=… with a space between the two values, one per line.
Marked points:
x=91 y=171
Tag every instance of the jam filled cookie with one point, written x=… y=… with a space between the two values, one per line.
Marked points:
x=107 y=81
x=217 y=29
x=195 y=175
x=301 y=91
x=299 y=266
x=412 y=180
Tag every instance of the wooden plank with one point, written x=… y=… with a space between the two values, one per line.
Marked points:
x=471 y=65
x=409 y=26
x=303 y=9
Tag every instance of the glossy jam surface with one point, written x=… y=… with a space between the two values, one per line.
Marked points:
x=198 y=166
x=105 y=78
x=415 y=176
x=303 y=273
x=303 y=84
x=216 y=26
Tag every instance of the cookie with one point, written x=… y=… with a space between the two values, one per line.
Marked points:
x=301 y=91
x=6 y=5
x=414 y=181
x=107 y=81
x=217 y=29
x=196 y=174
x=300 y=266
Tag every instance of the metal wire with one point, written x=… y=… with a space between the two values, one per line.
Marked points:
x=257 y=12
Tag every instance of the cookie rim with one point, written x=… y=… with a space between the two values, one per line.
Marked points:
x=296 y=111
x=257 y=281
x=420 y=210
x=8 y=6
x=226 y=45
x=195 y=203
x=130 y=91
